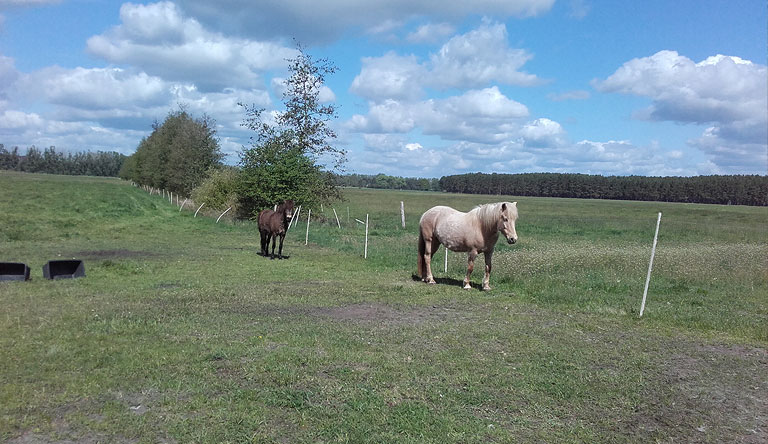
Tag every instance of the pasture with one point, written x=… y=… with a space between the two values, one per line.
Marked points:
x=182 y=333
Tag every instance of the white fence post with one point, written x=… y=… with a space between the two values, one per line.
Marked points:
x=182 y=205
x=306 y=236
x=650 y=265
x=337 y=218
x=402 y=213
x=446 y=262
x=198 y=208
x=365 y=255
x=293 y=217
x=225 y=212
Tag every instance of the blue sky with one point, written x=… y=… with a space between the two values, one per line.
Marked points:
x=424 y=88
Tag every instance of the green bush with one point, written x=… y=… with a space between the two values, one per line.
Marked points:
x=219 y=189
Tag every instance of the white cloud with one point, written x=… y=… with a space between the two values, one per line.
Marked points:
x=479 y=58
x=159 y=40
x=727 y=93
x=390 y=77
x=430 y=33
x=304 y=20
x=730 y=156
x=97 y=88
x=484 y=115
x=718 y=89
x=543 y=132
x=392 y=154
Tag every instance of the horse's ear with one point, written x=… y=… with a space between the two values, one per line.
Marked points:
x=503 y=207
x=514 y=204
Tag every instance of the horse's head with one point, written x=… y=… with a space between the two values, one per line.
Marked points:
x=507 y=221
x=288 y=210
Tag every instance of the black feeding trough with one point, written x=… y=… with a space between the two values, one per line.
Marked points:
x=14 y=271
x=66 y=269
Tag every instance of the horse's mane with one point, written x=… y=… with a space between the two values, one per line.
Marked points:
x=282 y=206
x=489 y=214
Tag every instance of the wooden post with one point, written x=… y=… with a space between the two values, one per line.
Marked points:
x=650 y=265
x=365 y=255
x=446 y=262
x=337 y=218
x=402 y=213
x=225 y=212
x=198 y=208
x=306 y=237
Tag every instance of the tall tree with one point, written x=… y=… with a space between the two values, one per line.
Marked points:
x=284 y=159
x=177 y=155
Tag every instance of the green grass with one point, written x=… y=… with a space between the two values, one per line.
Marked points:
x=181 y=333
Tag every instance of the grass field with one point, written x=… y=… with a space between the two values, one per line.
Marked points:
x=182 y=333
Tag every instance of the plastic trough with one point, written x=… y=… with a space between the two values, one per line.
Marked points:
x=14 y=271
x=67 y=269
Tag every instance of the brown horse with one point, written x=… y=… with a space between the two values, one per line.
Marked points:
x=274 y=224
x=474 y=232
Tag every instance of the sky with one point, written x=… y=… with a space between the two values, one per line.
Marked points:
x=424 y=88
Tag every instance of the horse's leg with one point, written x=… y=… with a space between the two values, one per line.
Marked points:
x=280 y=252
x=487 y=278
x=274 y=242
x=431 y=248
x=470 y=266
x=266 y=243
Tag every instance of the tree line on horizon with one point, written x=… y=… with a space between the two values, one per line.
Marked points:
x=384 y=181
x=716 y=189
x=50 y=161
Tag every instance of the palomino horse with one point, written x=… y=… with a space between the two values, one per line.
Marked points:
x=273 y=224
x=474 y=232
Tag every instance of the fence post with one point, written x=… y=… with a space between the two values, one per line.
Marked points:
x=402 y=213
x=198 y=208
x=337 y=218
x=225 y=212
x=365 y=255
x=650 y=265
x=182 y=205
x=306 y=236
x=293 y=217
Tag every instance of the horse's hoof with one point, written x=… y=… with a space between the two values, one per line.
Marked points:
x=467 y=287
x=486 y=288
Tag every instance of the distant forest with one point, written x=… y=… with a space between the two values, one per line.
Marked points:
x=52 y=162
x=725 y=190
x=387 y=182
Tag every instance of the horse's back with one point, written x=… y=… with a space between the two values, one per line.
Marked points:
x=438 y=219
x=436 y=214
x=264 y=217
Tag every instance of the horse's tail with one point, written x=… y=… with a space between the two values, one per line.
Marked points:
x=422 y=250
